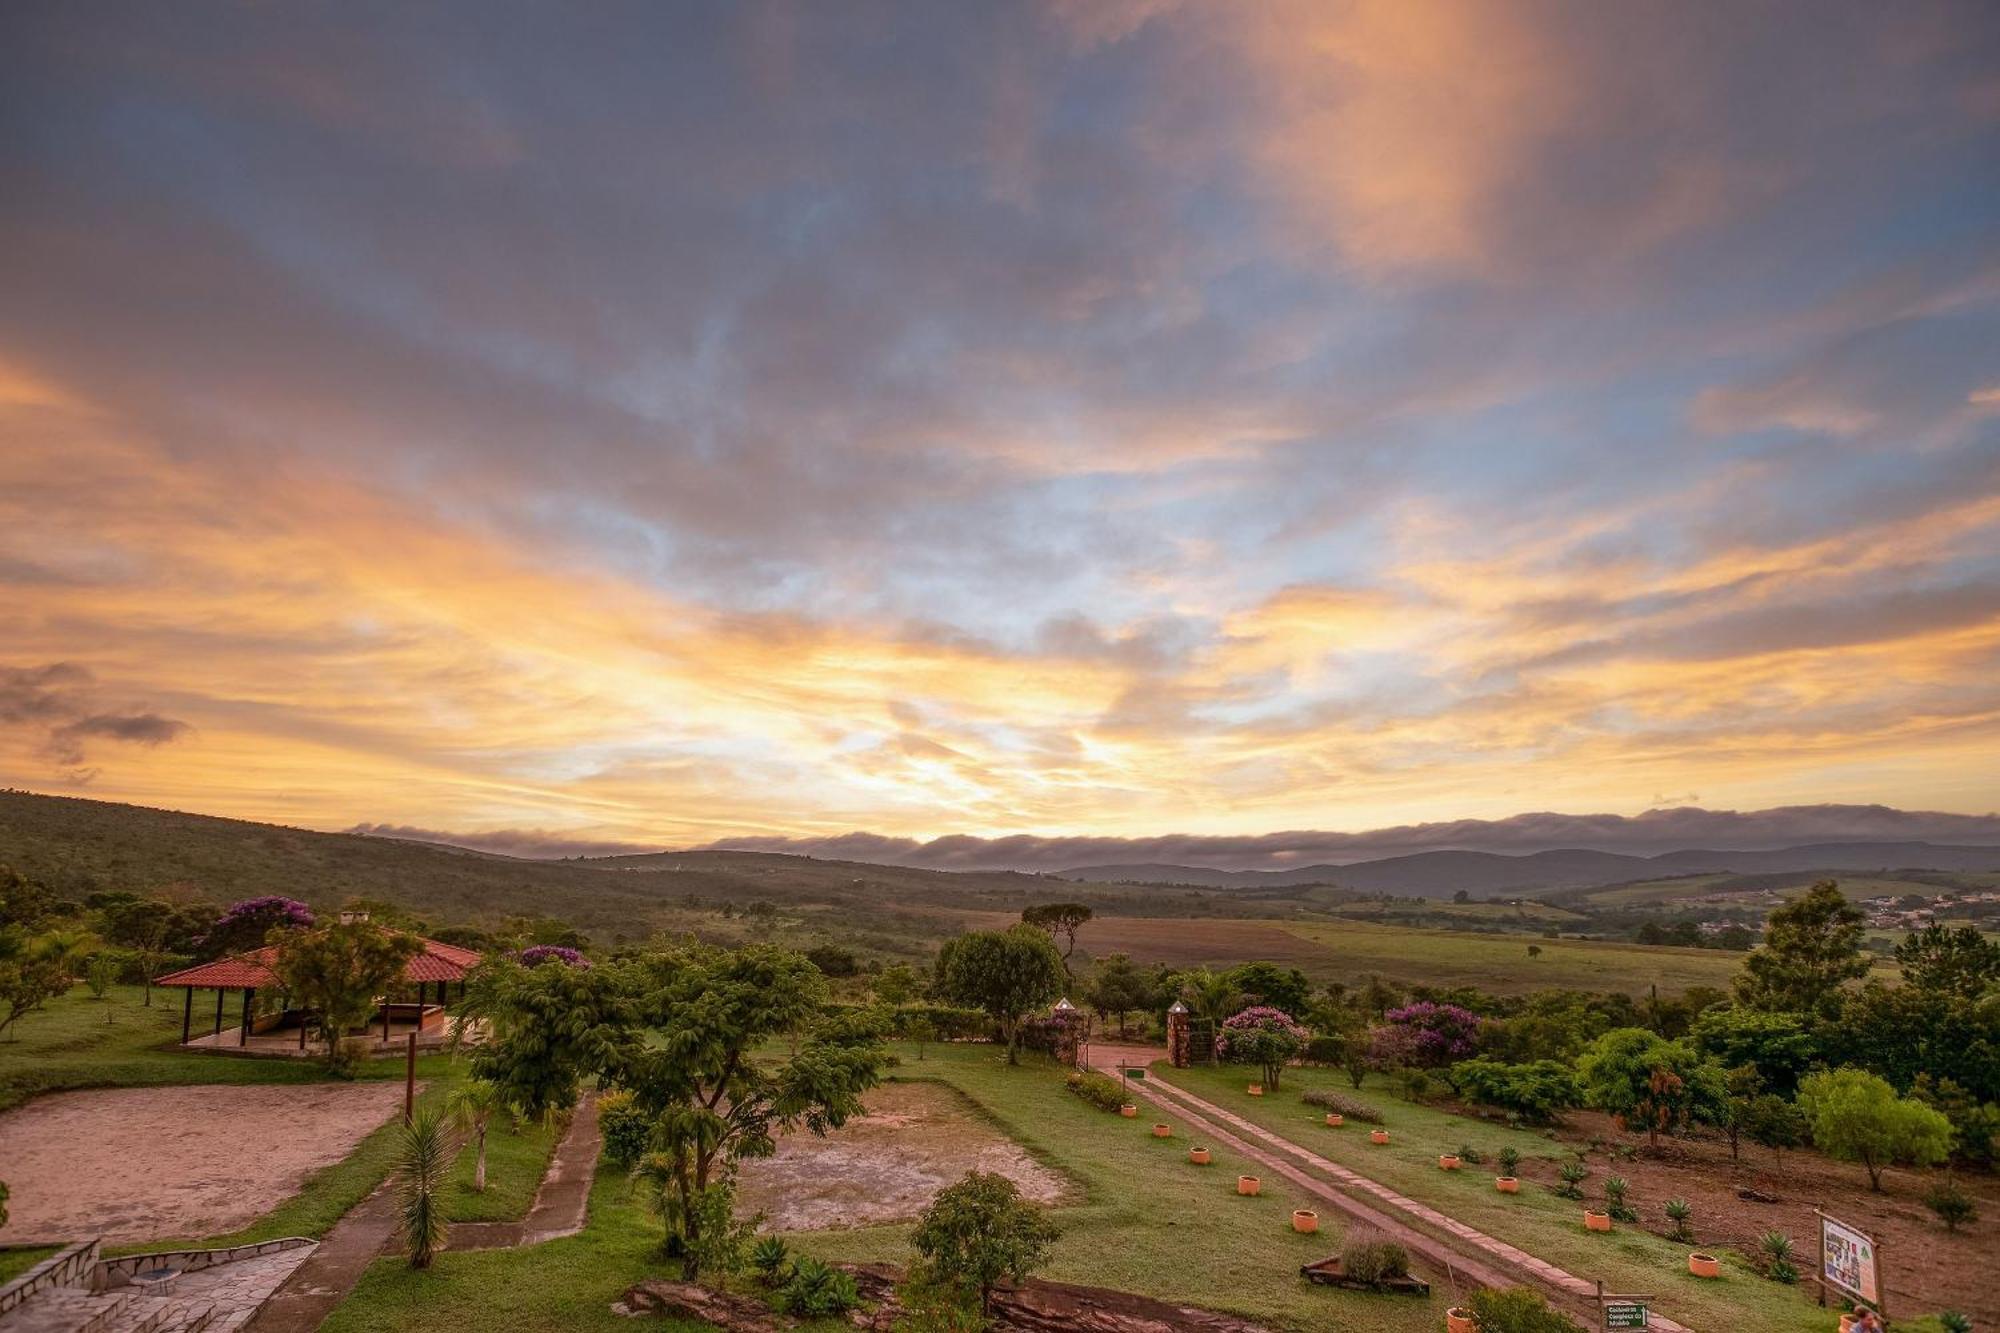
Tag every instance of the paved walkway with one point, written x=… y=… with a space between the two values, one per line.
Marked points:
x=1484 y=1259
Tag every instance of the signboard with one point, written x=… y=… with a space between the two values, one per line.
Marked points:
x=1848 y=1262
x=1624 y=1313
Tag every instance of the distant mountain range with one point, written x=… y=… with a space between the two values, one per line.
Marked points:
x=1441 y=874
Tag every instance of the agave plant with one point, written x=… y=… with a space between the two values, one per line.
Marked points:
x=1508 y=1158
x=771 y=1258
x=1614 y=1200
x=1777 y=1248
x=1678 y=1212
x=1572 y=1176
x=423 y=1156
x=1951 y=1321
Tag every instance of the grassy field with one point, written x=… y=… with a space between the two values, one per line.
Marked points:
x=1147 y=1222
x=515 y=1161
x=1628 y=1259
x=17 y=1260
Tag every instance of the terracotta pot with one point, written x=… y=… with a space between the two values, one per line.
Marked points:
x=1447 y=1162
x=1378 y=1136
x=1334 y=1121
x=1596 y=1221
x=1199 y=1156
x=1846 y=1323
x=1704 y=1265
x=1256 y=1089
x=1507 y=1184
x=1163 y=1131
x=1305 y=1221
x=1249 y=1185
x=1460 y=1320
x=1128 y=1110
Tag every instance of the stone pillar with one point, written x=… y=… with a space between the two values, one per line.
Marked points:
x=1180 y=1036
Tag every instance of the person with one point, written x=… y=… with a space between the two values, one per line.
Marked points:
x=1866 y=1321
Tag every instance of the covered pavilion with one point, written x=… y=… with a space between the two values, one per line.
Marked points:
x=421 y=1009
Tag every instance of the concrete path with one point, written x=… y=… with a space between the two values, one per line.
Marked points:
x=1481 y=1258
x=562 y=1203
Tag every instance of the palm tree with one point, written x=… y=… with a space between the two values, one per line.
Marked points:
x=472 y=1108
x=1212 y=997
x=422 y=1158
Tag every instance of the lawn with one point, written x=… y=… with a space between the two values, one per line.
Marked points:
x=16 y=1260
x=1502 y=963
x=1628 y=1259
x=1147 y=1221
x=515 y=1162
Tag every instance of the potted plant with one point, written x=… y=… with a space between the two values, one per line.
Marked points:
x=1128 y=1110
x=1595 y=1220
x=1335 y=1120
x=1447 y=1161
x=1305 y=1221
x=1256 y=1089
x=1249 y=1185
x=1704 y=1265
x=1199 y=1156
x=1163 y=1131
x=1458 y=1319
x=1378 y=1136
x=1506 y=1182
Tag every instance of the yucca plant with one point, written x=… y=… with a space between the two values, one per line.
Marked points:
x=1951 y=1321
x=1777 y=1248
x=423 y=1156
x=771 y=1257
x=1572 y=1176
x=1678 y=1212
x=472 y=1108
x=1509 y=1158
x=1614 y=1200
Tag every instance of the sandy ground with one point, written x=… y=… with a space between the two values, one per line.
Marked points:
x=888 y=1164
x=135 y=1164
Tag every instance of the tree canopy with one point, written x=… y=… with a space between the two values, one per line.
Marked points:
x=1008 y=973
x=1857 y=1117
x=1646 y=1081
x=1811 y=948
x=335 y=973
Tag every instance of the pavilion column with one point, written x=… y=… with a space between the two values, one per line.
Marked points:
x=187 y=1013
x=243 y=1034
x=218 y=1011
x=385 y=1015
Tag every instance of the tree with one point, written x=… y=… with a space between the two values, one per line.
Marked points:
x=1283 y=988
x=1211 y=998
x=979 y=1231
x=248 y=924
x=1812 y=947
x=472 y=1107
x=895 y=984
x=101 y=972
x=1007 y=973
x=1959 y=962
x=1261 y=1036
x=36 y=969
x=24 y=902
x=1770 y=1121
x=547 y=1029
x=712 y=1103
x=1116 y=988
x=1428 y=1035
x=1643 y=1079
x=1538 y=1092
x=423 y=1156
x=1061 y=921
x=336 y=972
x=1777 y=1046
x=1857 y=1117
x=832 y=960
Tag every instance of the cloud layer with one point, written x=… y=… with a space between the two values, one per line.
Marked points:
x=1094 y=420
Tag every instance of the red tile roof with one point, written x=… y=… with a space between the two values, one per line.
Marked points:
x=437 y=962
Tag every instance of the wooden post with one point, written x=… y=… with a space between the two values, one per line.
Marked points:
x=243 y=1034
x=218 y=1011
x=187 y=1014
x=410 y=1082
x=385 y=1019
x=302 y=1029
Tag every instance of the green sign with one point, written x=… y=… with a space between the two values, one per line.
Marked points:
x=1135 y=1073
x=1624 y=1314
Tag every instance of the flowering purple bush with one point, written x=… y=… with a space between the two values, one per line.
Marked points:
x=1427 y=1035
x=244 y=925
x=537 y=954
x=1261 y=1035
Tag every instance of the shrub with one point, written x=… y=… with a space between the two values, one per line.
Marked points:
x=1509 y=1159
x=1470 y=1155
x=1857 y=1117
x=1951 y=1321
x=1100 y=1090
x=815 y=1291
x=1342 y=1104
x=770 y=1259
x=1538 y=1092
x=1326 y=1051
x=1572 y=1175
x=1678 y=1212
x=1518 y=1310
x=1776 y=1249
x=1614 y=1200
x=1952 y=1204
x=627 y=1132
x=978 y=1231
x=1415 y=1085
x=1369 y=1258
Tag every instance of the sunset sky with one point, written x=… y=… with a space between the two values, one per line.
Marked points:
x=653 y=424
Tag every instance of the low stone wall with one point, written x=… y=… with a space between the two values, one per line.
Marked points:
x=119 y=1272
x=70 y=1268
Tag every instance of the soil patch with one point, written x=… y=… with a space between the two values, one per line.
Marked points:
x=135 y=1164
x=1924 y=1267
x=887 y=1164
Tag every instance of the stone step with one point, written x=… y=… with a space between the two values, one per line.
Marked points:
x=68 y=1310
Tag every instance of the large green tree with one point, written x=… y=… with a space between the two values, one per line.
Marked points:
x=1958 y=962
x=1857 y=1117
x=547 y=1029
x=1811 y=948
x=335 y=973
x=979 y=1231
x=1117 y=987
x=1778 y=1046
x=1647 y=1082
x=1061 y=921
x=711 y=1100
x=1007 y=973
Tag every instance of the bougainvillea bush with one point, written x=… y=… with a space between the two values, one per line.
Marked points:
x=1427 y=1035
x=248 y=924
x=537 y=954
x=1261 y=1036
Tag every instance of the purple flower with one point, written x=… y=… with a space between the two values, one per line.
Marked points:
x=243 y=925
x=537 y=954
x=1258 y=1018
x=1431 y=1035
